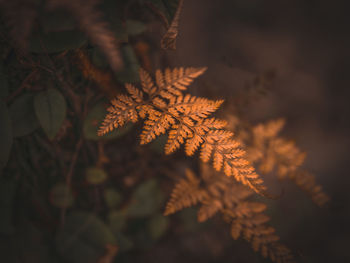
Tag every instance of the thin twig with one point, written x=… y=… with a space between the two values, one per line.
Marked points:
x=70 y=174
x=74 y=159
x=65 y=85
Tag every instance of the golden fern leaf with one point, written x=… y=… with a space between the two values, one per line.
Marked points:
x=169 y=39
x=156 y=124
x=200 y=128
x=306 y=181
x=147 y=82
x=186 y=193
x=177 y=79
x=135 y=93
x=122 y=110
x=209 y=209
x=193 y=107
x=274 y=153
x=248 y=221
x=177 y=136
x=220 y=194
x=270 y=129
x=186 y=118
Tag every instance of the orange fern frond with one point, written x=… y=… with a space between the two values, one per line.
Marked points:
x=217 y=194
x=186 y=193
x=185 y=118
x=306 y=181
x=209 y=209
x=273 y=153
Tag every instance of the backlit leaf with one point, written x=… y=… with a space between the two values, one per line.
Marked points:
x=95 y=175
x=158 y=225
x=50 y=108
x=146 y=199
x=112 y=197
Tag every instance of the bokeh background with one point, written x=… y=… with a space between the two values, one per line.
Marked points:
x=306 y=43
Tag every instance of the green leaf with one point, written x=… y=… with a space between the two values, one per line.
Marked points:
x=95 y=175
x=124 y=242
x=146 y=199
x=50 y=108
x=130 y=73
x=158 y=225
x=6 y=136
x=53 y=42
x=23 y=116
x=112 y=197
x=61 y=196
x=94 y=119
x=7 y=196
x=134 y=27
x=83 y=238
x=117 y=221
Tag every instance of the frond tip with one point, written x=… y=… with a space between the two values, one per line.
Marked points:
x=216 y=193
x=185 y=118
x=273 y=153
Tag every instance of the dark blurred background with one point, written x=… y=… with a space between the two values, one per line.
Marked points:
x=307 y=44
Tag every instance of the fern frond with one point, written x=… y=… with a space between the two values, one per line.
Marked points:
x=169 y=39
x=193 y=107
x=219 y=194
x=186 y=193
x=147 y=82
x=177 y=79
x=306 y=181
x=135 y=93
x=177 y=136
x=209 y=209
x=156 y=124
x=275 y=154
x=122 y=110
x=186 y=118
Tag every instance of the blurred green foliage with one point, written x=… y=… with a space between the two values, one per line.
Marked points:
x=60 y=198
